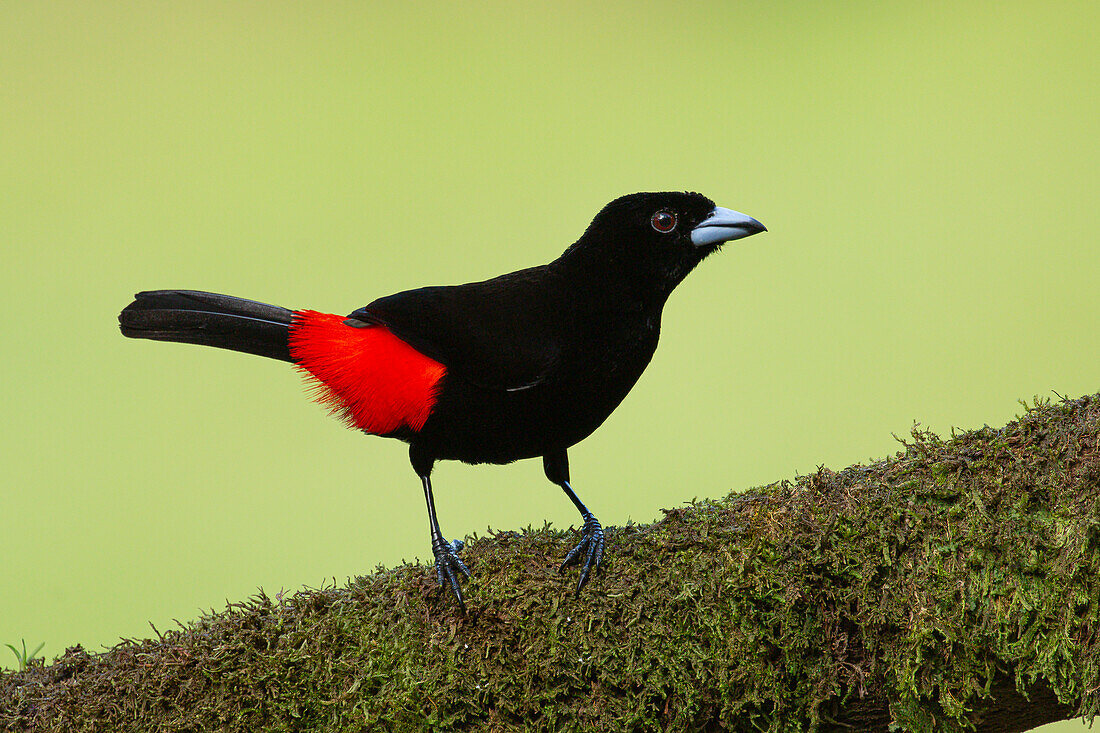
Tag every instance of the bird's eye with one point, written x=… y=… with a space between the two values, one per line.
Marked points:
x=663 y=221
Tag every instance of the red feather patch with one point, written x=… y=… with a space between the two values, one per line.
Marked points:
x=368 y=377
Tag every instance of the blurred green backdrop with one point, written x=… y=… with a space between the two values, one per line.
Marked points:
x=928 y=174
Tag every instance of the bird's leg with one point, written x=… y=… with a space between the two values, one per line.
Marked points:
x=590 y=548
x=447 y=564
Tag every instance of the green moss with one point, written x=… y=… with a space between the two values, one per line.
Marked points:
x=921 y=590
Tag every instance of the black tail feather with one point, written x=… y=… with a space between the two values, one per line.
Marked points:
x=195 y=317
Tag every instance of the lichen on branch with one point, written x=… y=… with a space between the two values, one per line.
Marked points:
x=953 y=586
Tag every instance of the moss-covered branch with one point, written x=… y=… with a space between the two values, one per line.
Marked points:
x=952 y=586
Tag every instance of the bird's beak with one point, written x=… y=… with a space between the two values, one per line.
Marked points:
x=724 y=225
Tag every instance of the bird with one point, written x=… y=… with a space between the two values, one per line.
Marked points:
x=524 y=365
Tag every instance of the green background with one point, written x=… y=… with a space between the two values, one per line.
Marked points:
x=928 y=175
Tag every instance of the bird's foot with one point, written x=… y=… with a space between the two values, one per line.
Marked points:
x=448 y=566
x=589 y=549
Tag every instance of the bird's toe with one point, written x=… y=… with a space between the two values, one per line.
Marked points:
x=589 y=549
x=448 y=567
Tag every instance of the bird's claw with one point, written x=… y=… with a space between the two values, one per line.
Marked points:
x=590 y=548
x=448 y=566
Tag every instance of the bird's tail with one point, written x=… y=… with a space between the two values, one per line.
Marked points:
x=195 y=317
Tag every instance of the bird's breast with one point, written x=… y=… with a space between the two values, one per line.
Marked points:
x=589 y=379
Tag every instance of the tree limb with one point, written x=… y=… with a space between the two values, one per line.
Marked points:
x=953 y=586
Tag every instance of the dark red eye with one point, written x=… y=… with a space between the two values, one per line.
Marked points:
x=663 y=221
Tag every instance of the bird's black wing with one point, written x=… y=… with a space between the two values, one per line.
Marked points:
x=496 y=334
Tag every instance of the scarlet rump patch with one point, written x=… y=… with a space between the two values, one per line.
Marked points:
x=368 y=377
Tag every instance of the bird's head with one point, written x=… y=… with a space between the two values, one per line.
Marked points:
x=655 y=239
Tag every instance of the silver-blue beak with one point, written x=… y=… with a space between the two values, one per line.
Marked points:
x=725 y=225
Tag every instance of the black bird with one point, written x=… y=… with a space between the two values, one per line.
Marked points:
x=524 y=365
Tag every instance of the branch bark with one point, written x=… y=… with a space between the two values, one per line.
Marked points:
x=953 y=586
